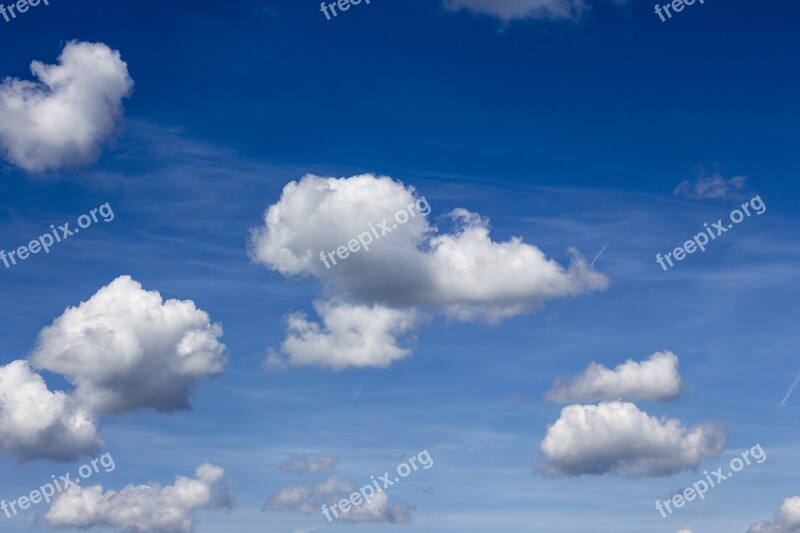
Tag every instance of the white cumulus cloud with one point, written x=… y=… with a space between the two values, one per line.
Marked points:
x=656 y=378
x=618 y=438
x=407 y=268
x=65 y=118
x=148 y=508
x=378 y=509
x=125 y=349
x=38 y=424
x=349 y=336
x=786 y=521
x=475 y=277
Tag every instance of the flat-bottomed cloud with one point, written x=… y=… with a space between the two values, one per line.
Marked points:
x=618 y=438
x=655 y=379
x=36 y=423
x=125 y=349
x=148 y=508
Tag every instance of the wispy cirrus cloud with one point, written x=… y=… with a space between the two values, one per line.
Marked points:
x=714 y=187
x=301 y=464
x=507 y=10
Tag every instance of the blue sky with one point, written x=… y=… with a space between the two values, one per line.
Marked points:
x=567 y=133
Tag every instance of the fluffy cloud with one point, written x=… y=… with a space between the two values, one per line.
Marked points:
x=351 y=335
x=474 y=277
x=411 y=267
x=685 y=531
x=301 y=464
x=38 y=424
x=654 y=379
x=378 y=509
x=713 y=188
x=618 y=438
x=65 y=117
x=308 y=499
x=786 y=521
x=507 y=10
x=147 y=508
x=125 y=349
x=320 y=214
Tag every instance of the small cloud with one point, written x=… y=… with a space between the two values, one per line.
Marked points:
x=618 y=438
x=309 y=499
x=787 y=520
x=378 y=509
x=301 y=464
x=147 y=508
x=713 y=188
x=266 y=12
x=514 y=399
x=349 y=336
x=656 y=379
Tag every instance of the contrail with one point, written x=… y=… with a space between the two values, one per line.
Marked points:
x=569 y=301
x=791 y=389
x=600 y=253
x=356 y=396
